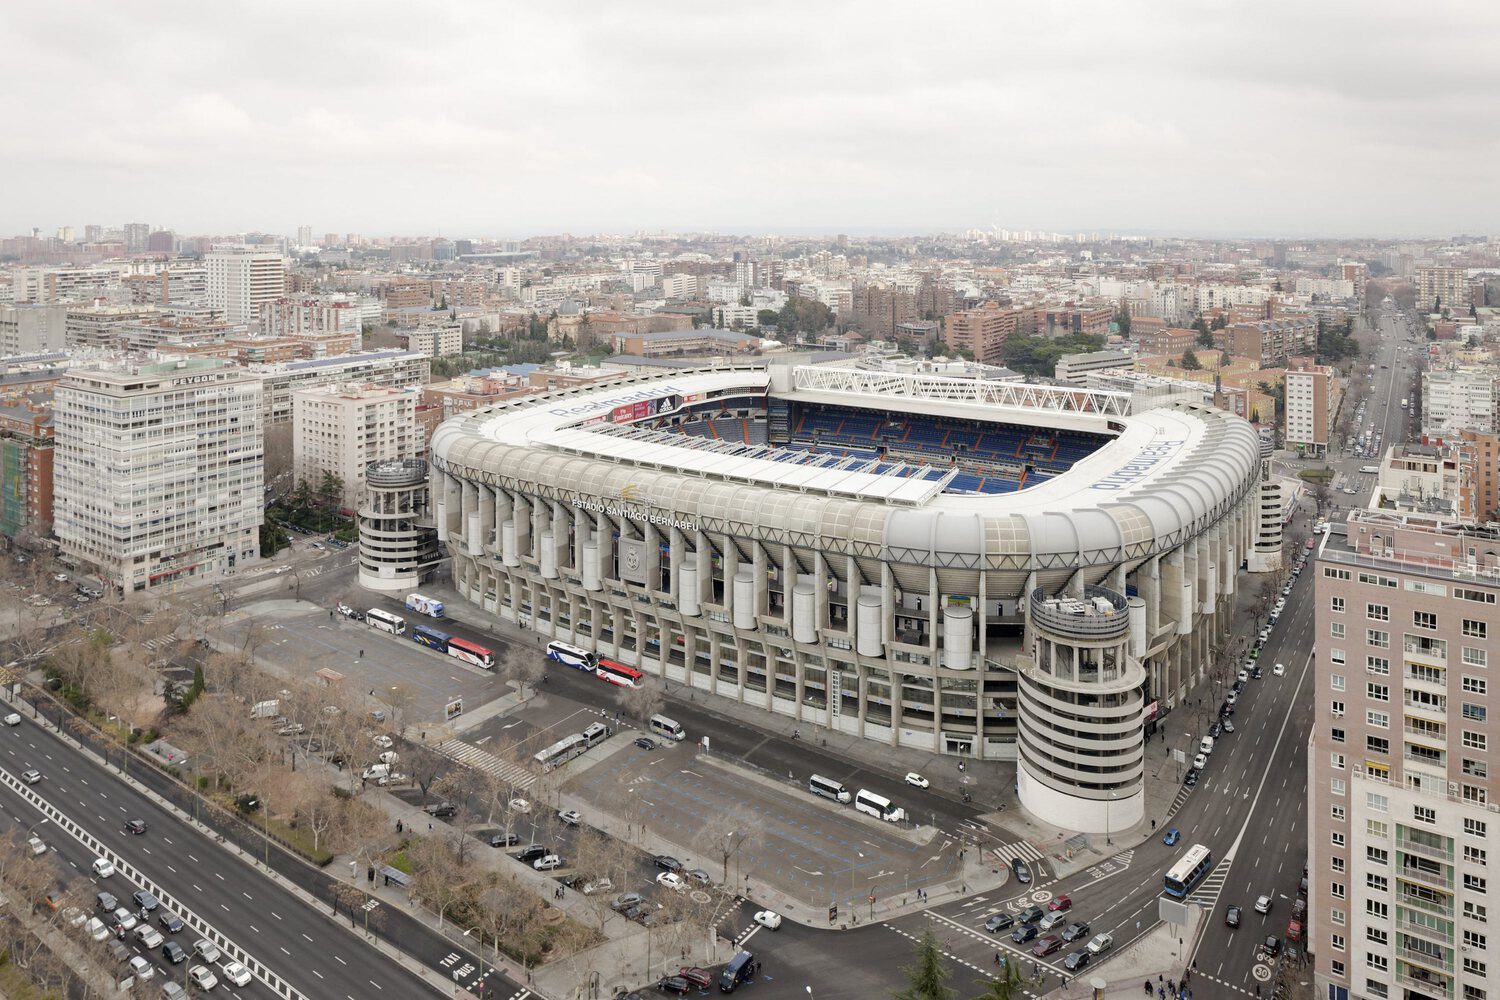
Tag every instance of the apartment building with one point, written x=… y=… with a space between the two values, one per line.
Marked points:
x=158 y=470
x=1399 y=787
x=434 y=341
x=1443 y=287
x=1268 y=341
x=340 y=429
x=388 y=368
x=1311 y=400
x=32 y=329
x=311 y=314
x=1459 y=399
x=241 y=280
x=1076 y=368
x=982 y=331
x=26 y=463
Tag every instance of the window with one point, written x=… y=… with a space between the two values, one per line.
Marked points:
x=1334 y=965
x=1336 y=735
x=1376 y=828
x=1376 y=580
x=1336 y=630
x=1476 y=768
x=1424 y=814
x=1376 y=908
x=1336 y=915
x=1336 y=786
x=1380 y=720
x=1475 y=741
x=1338 y=814
x=1336 y=761
x=1473 y=993
x=1476 y=883
x=1337 y=864
x=1475 y=713
x=1424 y=619
x=1475 y=794
x=1337 y=888
x=1378 y=883
x=1475 y=685
x=1475 y=629
x=1476 y=855
x=1339 y=574
x=1336 y=681
x=1479 y=596
x=1378 y=665
x=1474 y=967
x=1474 y=939
x=1377 y=744
x=1337 y=708
x=1337 y=839
x=1474 y=911
x=1475 y=827
x=1377 y=935
x=1375 y=637
x=1336 y=655
x=1337 y=940
x=1377 y=989
x=1475 y=657
x=1376 y=961
x=1377 y=612
x=1376 y=802
x=1377 y=692
x=1377 y=855
x=1336 y=605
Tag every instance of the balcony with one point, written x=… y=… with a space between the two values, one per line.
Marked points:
x=1421 y=876
x=1407 y=925
x=1434 y=963
x=1443 y=909
x=1426 y=733
x=1425 y=707
x=1429 y=985
x=1427 y=652
x=1423 y=850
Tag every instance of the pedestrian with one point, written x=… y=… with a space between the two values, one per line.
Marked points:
x=1153 y=824
x=997 y=958
x=398 y=826
x=362 y=656
x=1148 y=987
x=429 y=826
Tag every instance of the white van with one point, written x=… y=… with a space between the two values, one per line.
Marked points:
x=663 y=726
x=1206 y=745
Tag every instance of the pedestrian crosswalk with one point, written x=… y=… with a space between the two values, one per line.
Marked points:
x=482 y=760
x=1022 y=849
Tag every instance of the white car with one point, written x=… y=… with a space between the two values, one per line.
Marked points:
x=206 y=950
x=769 y=919
x=383 y=741
x=103 y=867
x=912 y=778
x=520 y=806
x=74 y=916
x=13 y=719
x=671 y=880
x=1200 y=761
x=1231 y=698
x=569 y=816
x=597 y=885
x=38 y=845
x=95 y=929
x=141 y=967
x=1279 y=670
x=547 y=863
x=236 y=973
x=203 y=977
x=148 y=936
x=125 y=919
x=1244 y=676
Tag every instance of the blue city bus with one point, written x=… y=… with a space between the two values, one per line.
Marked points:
x=1188 y=872
x=431 y=638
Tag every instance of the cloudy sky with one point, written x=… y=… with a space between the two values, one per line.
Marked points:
x=814 y=116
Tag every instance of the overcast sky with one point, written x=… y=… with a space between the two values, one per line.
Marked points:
x=480 y=119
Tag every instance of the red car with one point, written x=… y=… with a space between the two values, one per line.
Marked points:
x=1060 y=903
x=698 y=977
x=1046 y=945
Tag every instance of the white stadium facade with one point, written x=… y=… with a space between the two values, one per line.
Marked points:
x=991 y=570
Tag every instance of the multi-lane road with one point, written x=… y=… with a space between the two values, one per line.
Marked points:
x=295 y=949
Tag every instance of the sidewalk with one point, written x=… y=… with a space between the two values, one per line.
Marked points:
x=1154 y=954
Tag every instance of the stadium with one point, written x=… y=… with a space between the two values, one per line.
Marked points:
x=990 y=570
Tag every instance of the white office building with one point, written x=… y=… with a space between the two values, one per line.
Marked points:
x=241 y=280
x=342 y=429
x=1457 y=400
x=388 y=368
x=158 y=470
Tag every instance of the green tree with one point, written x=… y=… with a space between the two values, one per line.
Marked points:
x=768 y=317
x=1122 y=320
x=1220 y=322
x=927 y=978
x=1190 y=362
x=1007 y=986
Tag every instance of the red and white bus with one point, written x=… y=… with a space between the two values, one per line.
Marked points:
x=618 y=673
x=471 y=652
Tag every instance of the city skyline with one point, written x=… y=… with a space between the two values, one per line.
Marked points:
x=1228 y=120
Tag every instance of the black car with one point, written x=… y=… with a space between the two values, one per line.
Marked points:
x=674 y=984
x=1273 y=945
x=441 y=810
x=1024 y=933
x=1256 y=672
x=667 y=863
x=170 y=922
x=1021 y=870
x=135 y=826
x=1030 y=915
x=1191 y=778
x=1239 y=686
x=999 y=922
x=1225 y=710
x=1077 y=929
x=144 y=900
x=172 y=952
x=625 y=901
x=1077 y=960
x=504 y=840
x=1232 y=917
x=1216 y=730
x=645 y=743
x=533 y=852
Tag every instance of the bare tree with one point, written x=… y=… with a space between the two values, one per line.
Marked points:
x=424 y=766
x=599 y=859
x=524 y=667
x=641 y=702
x=437 y=877
x=726 y=833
